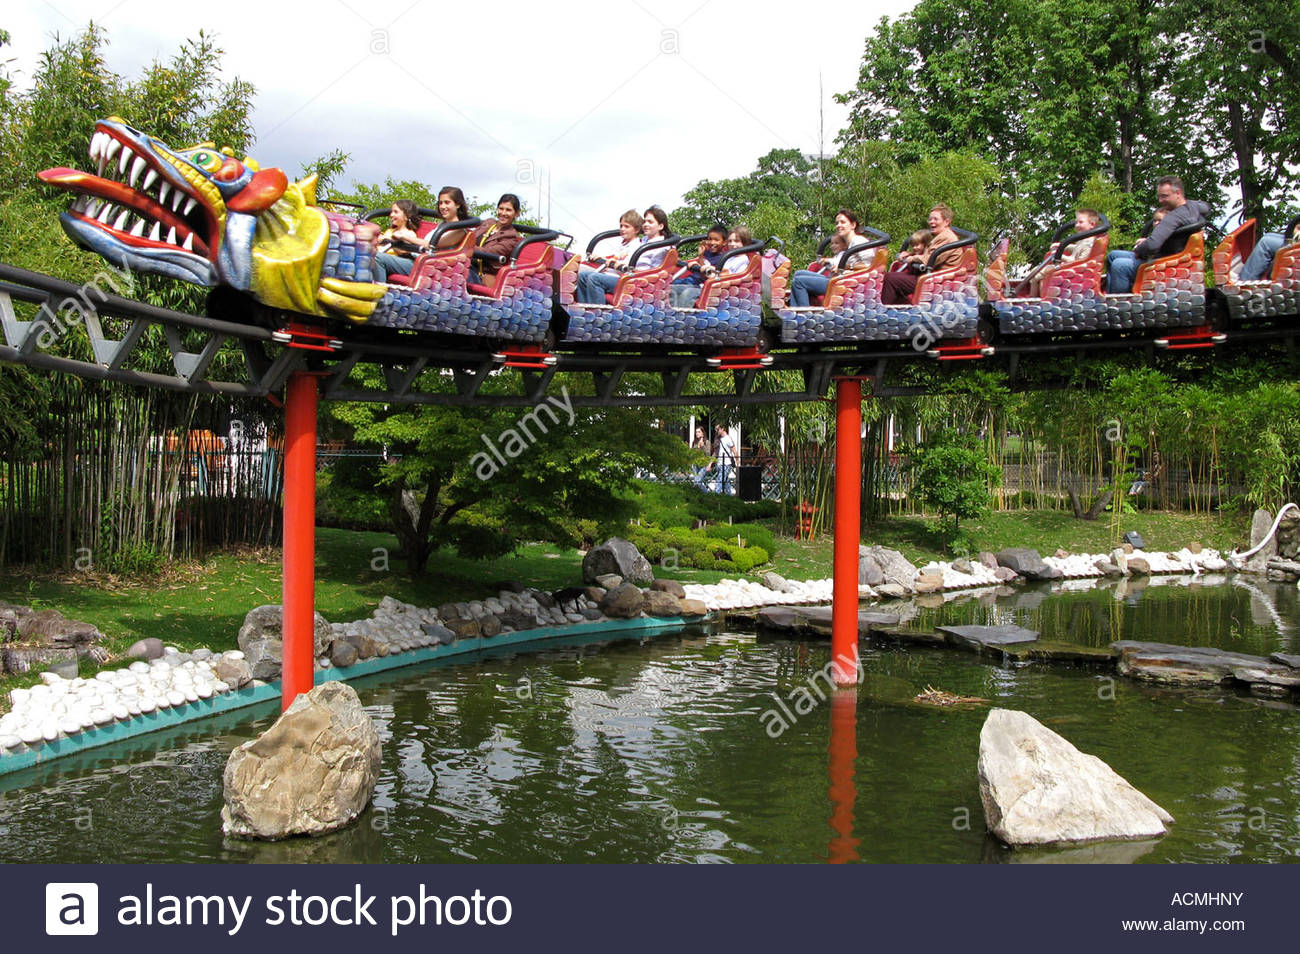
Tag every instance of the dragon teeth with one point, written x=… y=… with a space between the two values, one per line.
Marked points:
x=189 y=243
x=188 y=206
x=176 y=200
x=149 y=179
x=155 y=233
x=137 y=167
x=127 y=155
x=162 y=192
x=138 y=231
x=120 y=224
x=103 y=215
x=110 y=149
x=171 y=236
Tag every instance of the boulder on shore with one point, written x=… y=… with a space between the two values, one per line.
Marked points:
x=1028 y=564
x=671 y=587
x=622 y=602
x=617 y=556
x=891 y=567
x=1038 y=789
x=661 y=604
x=312 y=772
x=261 y=639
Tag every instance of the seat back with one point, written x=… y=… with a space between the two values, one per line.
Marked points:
x=932 y=284
x=779 y=284
x=531 y=258
x=649 y=285
x=1186 y=264
x=845 y=283
x=1072 y=279
x=995 y=273
x=447 y=269
x=750 y=278
x=1230 y=254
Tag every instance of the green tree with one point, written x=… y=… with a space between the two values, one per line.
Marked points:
x=951 y=476
x=1238 y=85
x=1053 y=92
x=485 y=480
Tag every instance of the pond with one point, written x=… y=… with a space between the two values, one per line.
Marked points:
x=672 y=750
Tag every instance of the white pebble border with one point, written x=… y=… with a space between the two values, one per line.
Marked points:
x=63 y=707
x=59 y=707
x=746 y=594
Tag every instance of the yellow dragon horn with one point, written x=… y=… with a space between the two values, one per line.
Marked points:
x=308 y=187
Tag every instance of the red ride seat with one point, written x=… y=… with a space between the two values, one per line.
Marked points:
x=530 y=257
x=432 y=264
x=1232 y=252
x=933 y=282
x=423 y=231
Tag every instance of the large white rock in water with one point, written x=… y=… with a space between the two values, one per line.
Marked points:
x=1037 y=788
x=312 y=772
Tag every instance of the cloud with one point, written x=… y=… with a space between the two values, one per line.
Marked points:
x=623 y=104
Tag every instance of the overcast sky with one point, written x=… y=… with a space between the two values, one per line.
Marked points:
x=622 y=103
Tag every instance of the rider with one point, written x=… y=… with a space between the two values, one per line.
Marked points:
x=1122 y=265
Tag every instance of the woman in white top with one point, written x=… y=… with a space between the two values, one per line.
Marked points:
x=806 y=283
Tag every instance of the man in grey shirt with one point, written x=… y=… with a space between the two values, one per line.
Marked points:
x=1122 y=266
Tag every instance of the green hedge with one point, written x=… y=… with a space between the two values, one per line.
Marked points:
x=681 y=505
x=751 y=533
x=678 y=546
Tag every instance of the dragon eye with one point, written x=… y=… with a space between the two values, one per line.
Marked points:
x=207 y=161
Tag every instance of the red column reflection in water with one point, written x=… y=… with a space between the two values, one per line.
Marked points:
x=843 y=758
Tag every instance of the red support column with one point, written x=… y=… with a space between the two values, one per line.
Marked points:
x=848 y=529
x=299 y=600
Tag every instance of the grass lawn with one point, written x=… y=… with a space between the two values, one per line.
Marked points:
x=195 y=605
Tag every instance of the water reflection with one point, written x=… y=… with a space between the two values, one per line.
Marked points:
x=843 y=758
x=657 y=751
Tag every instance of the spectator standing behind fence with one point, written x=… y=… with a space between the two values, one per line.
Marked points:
x=726 y=451
x=701 y=443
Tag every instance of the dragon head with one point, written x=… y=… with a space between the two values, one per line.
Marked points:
x=202 y=216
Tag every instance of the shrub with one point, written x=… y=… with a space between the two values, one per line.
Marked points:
x=680 y=505
x=751 y=533
x=348 y=507
x=678 y=546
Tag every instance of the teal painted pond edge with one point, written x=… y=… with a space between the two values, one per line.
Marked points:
x=472 y=648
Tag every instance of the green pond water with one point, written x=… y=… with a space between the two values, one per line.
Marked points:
x=664 y=750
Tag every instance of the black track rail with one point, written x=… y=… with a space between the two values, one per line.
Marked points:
x=116 y=327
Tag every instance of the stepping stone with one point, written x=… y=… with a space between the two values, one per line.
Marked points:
x=1197 y=665
x=989 y=637
x=1286 y=659
x=816 y=620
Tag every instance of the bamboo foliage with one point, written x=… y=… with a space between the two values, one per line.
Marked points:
x=124 y=481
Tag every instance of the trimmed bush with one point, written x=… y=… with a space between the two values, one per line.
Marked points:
x=751 y=533
x=695 y=548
